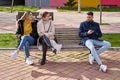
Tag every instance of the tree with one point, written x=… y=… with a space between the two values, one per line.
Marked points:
x=12 y=5
x=79 y=6
x=100 y=11
x=70 y=3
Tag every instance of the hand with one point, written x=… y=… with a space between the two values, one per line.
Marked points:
x=90 y=32
x=46 y=34
x=41 y=34
x=51 y=37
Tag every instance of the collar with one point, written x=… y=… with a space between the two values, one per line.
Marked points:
x=92 y=22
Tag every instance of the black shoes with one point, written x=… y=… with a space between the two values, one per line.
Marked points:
x=42 y=63
x=55 y=51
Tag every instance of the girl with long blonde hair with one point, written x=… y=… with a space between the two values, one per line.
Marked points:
x=27 y=35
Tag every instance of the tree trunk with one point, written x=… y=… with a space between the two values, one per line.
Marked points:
x=12 y=6
x=100 y=12
x=79 y=6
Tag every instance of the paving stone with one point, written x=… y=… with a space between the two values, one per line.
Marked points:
x=60 y=68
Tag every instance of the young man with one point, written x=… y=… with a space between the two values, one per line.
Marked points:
x=90 y=33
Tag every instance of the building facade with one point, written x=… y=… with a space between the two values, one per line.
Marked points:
x=45 y=3
x=60 y=3
x=111 y=3
x=89 y=3
x=8 y=2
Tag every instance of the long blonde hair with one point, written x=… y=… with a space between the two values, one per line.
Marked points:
x=25 y=15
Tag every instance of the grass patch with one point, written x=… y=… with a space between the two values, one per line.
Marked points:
x=67 y=9
x=18 y=8
x=9 y=40
x=114 y=39
x=104 y=24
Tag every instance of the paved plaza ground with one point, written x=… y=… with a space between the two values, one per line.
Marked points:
x=67 y=65
x=65 y=20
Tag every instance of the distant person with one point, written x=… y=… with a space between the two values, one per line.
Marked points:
x=27 y=34
x=90 y=33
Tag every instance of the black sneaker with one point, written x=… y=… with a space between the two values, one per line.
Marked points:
x=42 y=63
x=55 y=51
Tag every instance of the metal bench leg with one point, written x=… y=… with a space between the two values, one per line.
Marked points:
x=43 y=61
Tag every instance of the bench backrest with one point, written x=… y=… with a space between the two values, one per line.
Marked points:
x=20 y=14
x=63 y=35
x=67 y=35
x=35 y=14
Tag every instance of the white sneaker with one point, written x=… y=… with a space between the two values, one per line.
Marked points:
x=29 y=61
x=14 y=54
x=59 y=48
x=103 y=68
x=40 y=47
x=91 y=59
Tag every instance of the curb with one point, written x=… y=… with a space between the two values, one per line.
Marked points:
x=114 y=49
x=111 y=49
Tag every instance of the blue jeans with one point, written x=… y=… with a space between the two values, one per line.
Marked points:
x=104 y=45
x=25 y=43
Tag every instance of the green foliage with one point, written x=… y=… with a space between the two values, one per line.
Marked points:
x=18 y=8
x=70 y=3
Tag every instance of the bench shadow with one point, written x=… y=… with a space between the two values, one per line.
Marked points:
x=78 y=70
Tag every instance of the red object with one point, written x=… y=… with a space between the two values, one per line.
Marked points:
x=111 y=3
x=57 y=3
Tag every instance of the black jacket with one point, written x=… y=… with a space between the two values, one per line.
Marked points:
x=20 y=30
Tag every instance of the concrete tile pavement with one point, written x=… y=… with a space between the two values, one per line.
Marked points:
x=7 y=22
x=65 y=20
x=68 y=65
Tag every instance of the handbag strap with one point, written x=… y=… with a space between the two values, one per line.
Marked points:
x=49 y=26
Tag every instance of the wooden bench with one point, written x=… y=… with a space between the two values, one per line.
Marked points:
x=20 y=14
x=35 y=14
x=68 y=37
